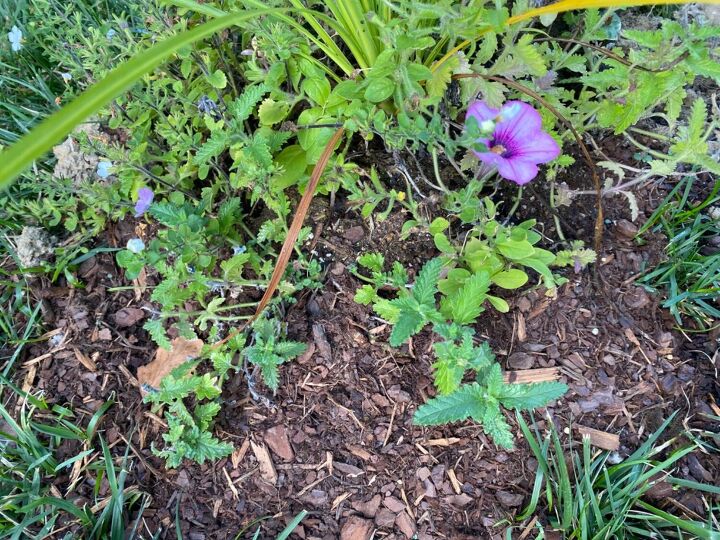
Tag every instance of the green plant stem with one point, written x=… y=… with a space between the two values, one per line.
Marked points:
x=436 y=170
x=556 y=219
x=516 y=203
x=647 y=149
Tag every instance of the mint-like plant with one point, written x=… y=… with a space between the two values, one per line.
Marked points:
x=269 y=351
x=481 y=401
x=189 y=430
x=460 y=304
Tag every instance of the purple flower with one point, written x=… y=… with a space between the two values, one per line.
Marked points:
x=144 y=200
x=518 y=142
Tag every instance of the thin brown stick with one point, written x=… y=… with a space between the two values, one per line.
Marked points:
x=291 y=238
x=597 y=244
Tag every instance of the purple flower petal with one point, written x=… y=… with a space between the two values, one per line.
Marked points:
x=520 y=172
x=482 y=112
x=540 y=149
x=144 y=200
x=525 y=123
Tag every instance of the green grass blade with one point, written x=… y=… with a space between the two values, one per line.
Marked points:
x=287 y=531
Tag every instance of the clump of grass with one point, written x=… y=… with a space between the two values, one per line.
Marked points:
x=31 y=506
x=588 y=496
x=689 y=278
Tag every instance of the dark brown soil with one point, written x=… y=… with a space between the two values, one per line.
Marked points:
x=340 y=431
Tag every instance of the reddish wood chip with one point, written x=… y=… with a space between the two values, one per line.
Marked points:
x=356 y=528
x=278 y=441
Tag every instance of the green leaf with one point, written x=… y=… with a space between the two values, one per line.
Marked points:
x=443 y=244
x=530 y=56
x=289 y=349
x=408 y=323
x=372 y=261
x=510 y=279
x=204 y=414
x=441 y=77
x=207 y=387
x=243 y=106
x=217 y=79
x=464 y=403
x=466 y=304
x=386 y=310
x=418 y=72
x=515 y=249
x=498 y=303
x=156 y=330
x=271 y=111
x=496 y=426
x=317 y=89
x=426 y=283
x=293 y=160
x=213 y=147
x=132 y=264
x=366 y=295
x=379 y=90
x=271 y=376
x=530 y=396
x=448 y=375
x=439 y=225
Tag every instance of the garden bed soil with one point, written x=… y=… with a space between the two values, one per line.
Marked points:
x=338 y=440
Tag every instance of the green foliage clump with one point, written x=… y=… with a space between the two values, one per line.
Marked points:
x=457 y=354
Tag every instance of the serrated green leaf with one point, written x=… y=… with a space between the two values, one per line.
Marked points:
x=366 y=295
x=289 y=349
x=271 y=112
x=207 y=387
x=270 y=376
x=408 y=323
x=243 y=106
x=448 y=375
x=527 y=52
x=460 y=405
x=387 y=310
x=530 y=396
x=205 y=413
x=425 y=285
x=466 y=304
x=495 y=425
x=441 y=77
x=156 y=330
x=372 y=261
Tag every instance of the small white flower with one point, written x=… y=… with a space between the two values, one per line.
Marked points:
x=15 y=36
x=135 y=245
x=67 y=77
x=237 y=250
x=103 y=169
x=111 y=33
